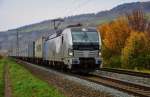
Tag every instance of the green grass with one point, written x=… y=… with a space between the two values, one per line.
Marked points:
x=1 y=78
x=24 y=84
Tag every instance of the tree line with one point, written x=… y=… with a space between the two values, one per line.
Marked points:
x=126 y=41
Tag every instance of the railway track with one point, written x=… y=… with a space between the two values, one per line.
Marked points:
x=130 y=88
x=135 y=89
x=121 y=71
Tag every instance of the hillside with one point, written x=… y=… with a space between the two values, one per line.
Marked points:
x=45 y=27
x=100 y=16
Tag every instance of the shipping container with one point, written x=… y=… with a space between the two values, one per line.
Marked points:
x=39 y=48
x=31 y=49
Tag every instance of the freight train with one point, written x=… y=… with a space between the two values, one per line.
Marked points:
x=75 y=48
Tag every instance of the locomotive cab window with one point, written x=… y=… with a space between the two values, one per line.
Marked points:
x=85 y=37
x=85 y=40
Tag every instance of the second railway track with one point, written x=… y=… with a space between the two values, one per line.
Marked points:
x=135 y=89
x=128 y=72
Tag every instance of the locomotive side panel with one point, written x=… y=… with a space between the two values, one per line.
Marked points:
x=49 y=49
x=59 y=48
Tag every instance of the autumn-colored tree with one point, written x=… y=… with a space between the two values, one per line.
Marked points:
x=137 y=49
x=114 y=34
x=136 y=53
x=102 y=29
x=148 y=29
x=137 y=21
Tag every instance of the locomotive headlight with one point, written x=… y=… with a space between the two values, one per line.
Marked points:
x=70 y=52
x=99 y=54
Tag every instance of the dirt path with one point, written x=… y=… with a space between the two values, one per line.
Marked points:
x=8 y=92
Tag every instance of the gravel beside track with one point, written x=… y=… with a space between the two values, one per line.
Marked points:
x=73 y=86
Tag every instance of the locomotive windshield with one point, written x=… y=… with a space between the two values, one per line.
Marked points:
x=85 y=40
x=85 y=37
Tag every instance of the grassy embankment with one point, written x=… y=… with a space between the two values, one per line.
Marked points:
x=142 y=70
x=1 y=78
x=24 y=84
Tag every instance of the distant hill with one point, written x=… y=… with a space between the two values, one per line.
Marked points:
x=46 y=27
x=100 y=17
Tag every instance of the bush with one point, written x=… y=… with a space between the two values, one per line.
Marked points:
x=114 y=62
x=109 y=60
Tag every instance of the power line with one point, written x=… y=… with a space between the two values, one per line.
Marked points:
x=82 y=5
x=66 y=9
x=78 y=6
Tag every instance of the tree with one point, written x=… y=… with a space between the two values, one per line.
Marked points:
x=136 y=20
x=114 y=34
x=125 y=38
x=148 y=29
x=136 y=53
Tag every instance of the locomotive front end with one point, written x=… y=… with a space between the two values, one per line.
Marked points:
x=85 y=55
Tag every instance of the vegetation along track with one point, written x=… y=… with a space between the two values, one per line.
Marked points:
x=135 y=89
x=120 y=71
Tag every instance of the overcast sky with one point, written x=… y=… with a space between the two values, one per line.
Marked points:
x=16 y=13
